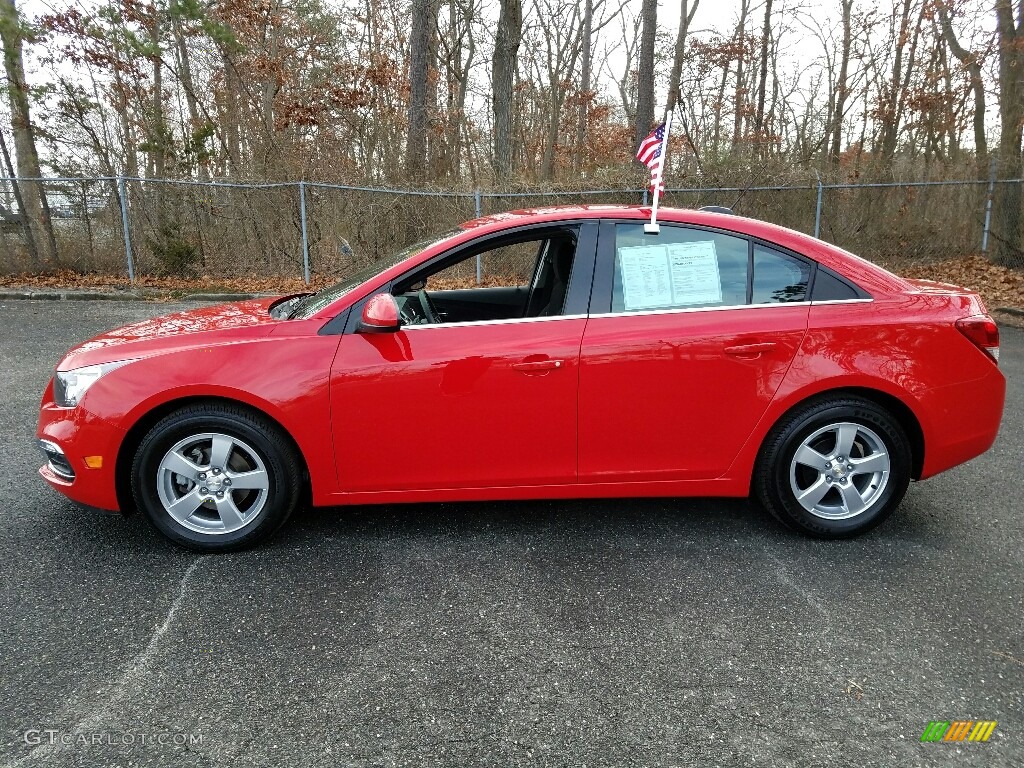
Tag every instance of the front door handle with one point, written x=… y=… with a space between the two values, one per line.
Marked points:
x=537 y=366
x=751 y=350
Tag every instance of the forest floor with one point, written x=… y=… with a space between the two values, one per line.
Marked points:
x=999 y=286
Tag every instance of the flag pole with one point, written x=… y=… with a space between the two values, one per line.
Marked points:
x=652 y=228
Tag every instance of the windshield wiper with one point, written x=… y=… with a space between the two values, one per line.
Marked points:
x=291 y=305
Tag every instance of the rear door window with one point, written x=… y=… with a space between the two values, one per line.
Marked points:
x=678 y=268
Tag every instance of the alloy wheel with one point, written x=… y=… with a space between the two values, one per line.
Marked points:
x=213 y=483
x=839 y=471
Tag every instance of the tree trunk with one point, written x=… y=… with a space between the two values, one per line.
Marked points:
x=645 y=71
x=741 y=39
x=842 y=85
x=762 y=76
x=686 y=12
x=585 y=96
x=8 y=170
x=971 y=62
x=902 y=70
x=456 y=89
x=37 y=209
x=503 y=68
x=419 y=67
x=232 y=114
x=1006 y=227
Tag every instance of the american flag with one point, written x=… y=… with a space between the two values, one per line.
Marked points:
x=649 y=154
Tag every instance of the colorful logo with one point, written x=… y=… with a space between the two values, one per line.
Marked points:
x=958 y=730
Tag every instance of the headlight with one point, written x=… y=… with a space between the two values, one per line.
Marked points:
x=70 y=386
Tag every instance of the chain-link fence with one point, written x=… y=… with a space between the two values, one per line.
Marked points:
x=304 y=229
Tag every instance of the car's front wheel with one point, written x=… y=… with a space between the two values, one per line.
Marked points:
x=216 y=477
x=834 y=468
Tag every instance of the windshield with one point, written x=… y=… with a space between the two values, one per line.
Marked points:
x=308 y=306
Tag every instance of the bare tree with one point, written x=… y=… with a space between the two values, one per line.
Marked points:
x=741 y=91
x=842 y=86
x=459 y=54
x=762 y=77
x=686 y=12
x=972 y=63
x=586 y=96
x=645 y=70
x=503 y=68
x=43 y=247
x=419 y=72
x=904 y=61
x=1010 y=29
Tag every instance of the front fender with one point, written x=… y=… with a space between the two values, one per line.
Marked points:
x=287 y=378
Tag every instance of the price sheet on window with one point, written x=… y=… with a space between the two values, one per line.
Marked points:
x=670 y=275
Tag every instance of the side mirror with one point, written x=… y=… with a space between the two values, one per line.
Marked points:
x=380 y=315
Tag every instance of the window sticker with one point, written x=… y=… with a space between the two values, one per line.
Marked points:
x=676 y=274
x=695 y=276
x=646 y=280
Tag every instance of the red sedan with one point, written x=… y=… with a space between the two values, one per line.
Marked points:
x=719 y=356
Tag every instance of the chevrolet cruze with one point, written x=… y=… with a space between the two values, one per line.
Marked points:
x=715 y=356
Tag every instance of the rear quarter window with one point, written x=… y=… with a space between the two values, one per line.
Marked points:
x=828 y=287
x=778 y=277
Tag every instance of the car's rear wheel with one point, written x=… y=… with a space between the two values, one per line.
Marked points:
x=834 y=468
x=216 y=477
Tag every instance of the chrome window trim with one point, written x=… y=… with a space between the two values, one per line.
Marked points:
x=768 y=305
x=841 y=301
x=506 y=321
x=681 y=310
x=636 y=312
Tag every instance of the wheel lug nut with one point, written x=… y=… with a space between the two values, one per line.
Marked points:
x=216 y=471
x=203 y=490
x=227 y=481
x=220 y=494
x=829 y=478
x=202 y=475
x=849 y=466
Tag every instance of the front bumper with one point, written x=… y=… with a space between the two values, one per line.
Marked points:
x=74 y=434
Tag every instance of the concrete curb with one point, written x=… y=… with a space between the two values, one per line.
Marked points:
x=226 y=296
x=1010 y=311
x=70 y=296
x=34 y=295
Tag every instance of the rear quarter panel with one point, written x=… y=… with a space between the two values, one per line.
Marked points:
x=905 y=346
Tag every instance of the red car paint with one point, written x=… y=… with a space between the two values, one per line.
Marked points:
x=587 y=406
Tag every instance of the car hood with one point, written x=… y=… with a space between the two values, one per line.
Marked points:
x=222 y=324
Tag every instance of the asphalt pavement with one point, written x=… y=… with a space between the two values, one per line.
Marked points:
x=659 y=632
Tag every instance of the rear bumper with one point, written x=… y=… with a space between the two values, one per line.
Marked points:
x=78 y=434
x=963 y=421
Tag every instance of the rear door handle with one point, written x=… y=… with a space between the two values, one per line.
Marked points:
x=537 y=366
x=757 y=348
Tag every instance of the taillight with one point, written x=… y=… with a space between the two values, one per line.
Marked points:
x=983 y=333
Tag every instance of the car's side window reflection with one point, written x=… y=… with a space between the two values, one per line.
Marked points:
x=505 y=266
x=678 y=268
x=519 y=279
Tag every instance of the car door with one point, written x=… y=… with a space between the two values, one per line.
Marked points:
x=463 y=404
x=677 y=365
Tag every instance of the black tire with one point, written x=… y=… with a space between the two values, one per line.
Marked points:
x=260 y=446
x=776 y=478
